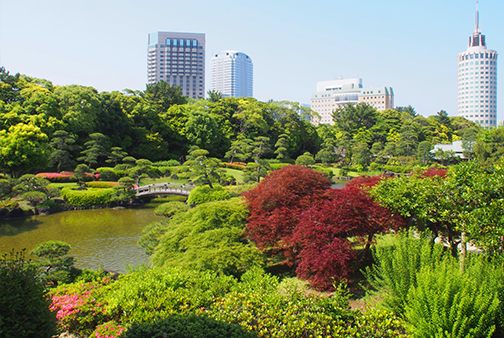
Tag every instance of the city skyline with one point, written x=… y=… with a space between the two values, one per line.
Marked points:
x=409 y=46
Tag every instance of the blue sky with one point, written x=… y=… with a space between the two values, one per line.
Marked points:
x=410 y=45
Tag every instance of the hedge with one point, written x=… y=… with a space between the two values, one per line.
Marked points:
x=87 y=198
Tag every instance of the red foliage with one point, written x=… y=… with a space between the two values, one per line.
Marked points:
x=293 y=212
x=277 y=202
x=324 y=231
x=433 y=171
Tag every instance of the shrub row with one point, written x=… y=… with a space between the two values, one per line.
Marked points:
x=87 y=198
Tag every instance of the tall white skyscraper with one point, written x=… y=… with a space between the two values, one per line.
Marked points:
x=477 y=80
x=179 y=59
x=232 y=74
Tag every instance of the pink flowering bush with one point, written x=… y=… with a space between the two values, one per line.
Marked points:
x=79 y=307
x=110 y=329
x=64 y=176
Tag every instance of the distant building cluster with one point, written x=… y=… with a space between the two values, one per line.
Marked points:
x=179 y=59
x=331 y=95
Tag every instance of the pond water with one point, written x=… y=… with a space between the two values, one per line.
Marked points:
x=103 y=238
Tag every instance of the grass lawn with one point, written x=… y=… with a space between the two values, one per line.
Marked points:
x=64 y=185
x=237 y=174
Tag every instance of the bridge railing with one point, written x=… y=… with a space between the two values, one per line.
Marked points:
x=163 y=188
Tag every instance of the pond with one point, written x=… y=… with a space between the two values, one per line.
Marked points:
x=103 y=238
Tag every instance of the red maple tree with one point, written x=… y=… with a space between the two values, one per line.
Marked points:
x=294 y=214
x=277 y=203
x=327 y=234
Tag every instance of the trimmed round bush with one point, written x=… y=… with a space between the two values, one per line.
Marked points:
x=204 y=194
x=187 y=326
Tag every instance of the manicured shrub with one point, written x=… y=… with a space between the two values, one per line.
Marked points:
x=205 y=194
x=278 y=166
x=24 y=307
x=87 y=198
x=169 y=163
x=107 y=174
x=101 y=185
x=187 y=326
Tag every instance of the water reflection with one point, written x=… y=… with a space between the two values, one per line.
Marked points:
x=99 y=238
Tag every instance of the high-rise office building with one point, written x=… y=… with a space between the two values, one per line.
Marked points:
x=232 y=74
x=331 y=95
x=477 y=80
x=179 y=59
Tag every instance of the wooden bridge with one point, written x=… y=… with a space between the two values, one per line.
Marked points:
x=157 y=189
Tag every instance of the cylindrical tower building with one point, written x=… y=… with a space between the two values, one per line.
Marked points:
x=477 y=81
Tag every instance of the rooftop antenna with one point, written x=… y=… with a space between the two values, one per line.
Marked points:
x=476 y=24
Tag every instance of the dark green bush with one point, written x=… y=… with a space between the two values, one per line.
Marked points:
x=278 y=166
x=205 y=194
x=107 y=174
x=24 y=307
x=187 y=326
x=169 y=163
x=87 y=198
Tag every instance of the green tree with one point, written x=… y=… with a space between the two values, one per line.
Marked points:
x=23 y=147
x=9 y=90
x=63 y=145
x=164 y=95
x=469 y=138
x=203 y=131
x=241 y=149
x=256 y=170
x=143 y=168
x=34 y=198
x=204 y=169
x=95 y=148
x=214 y=95
x=80 y=108
x=54 y=266
x=361 y=155
x=424 y=154
x=281 y=147
x=81 y=172
x=116 y=155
